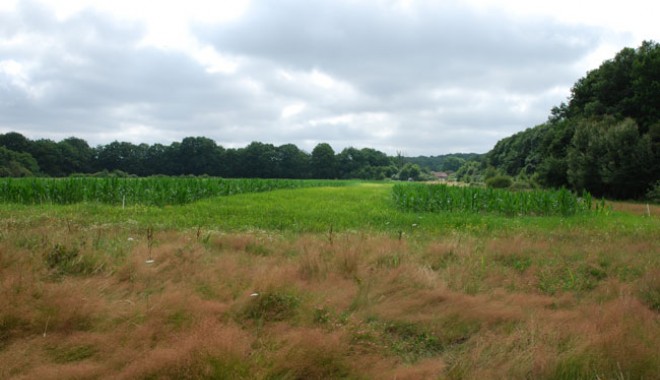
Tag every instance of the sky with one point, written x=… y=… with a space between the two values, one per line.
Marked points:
x=418 y=77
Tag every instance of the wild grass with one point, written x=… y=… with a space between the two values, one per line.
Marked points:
x=229 y=288
x=263 y=305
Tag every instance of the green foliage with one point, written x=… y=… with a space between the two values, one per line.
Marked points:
x=436 y=198
x=605 y=141
x=323 y=162
x=623 y=87
x=564 y=277
x=412 y=341
x=518 y=153
x=415 y=341
x=499 y=182
x=155 y=191
x=65 y=260
x=610 y=158
x=469 y=172
x=15 y=164
x=520 y=263
x=365 y=163
x=272 y=306
x=447 y=162
x=410 y=172
x=199 y=156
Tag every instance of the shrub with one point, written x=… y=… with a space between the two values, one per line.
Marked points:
x=499 y=182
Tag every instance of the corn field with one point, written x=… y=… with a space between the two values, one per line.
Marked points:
x=434 y=198
x=151 y=191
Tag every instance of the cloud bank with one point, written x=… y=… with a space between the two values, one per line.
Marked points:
x=419 y=77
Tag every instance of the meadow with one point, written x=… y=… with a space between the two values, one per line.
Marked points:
x=331 y=280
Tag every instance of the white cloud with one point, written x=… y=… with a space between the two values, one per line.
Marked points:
x=292 y=110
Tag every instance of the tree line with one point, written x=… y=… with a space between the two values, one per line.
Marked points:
x=606 y=140
x=20 y=156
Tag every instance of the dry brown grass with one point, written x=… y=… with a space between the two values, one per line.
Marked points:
x=643 y=209
x=259 y=305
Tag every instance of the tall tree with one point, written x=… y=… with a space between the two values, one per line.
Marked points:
x=77 y=156
x=15 y=141
x=124 y=156
x=323 y=162
x=293 y=162
x=627 y=163
x=260 y=160
x=200 y=155
x=49 y=156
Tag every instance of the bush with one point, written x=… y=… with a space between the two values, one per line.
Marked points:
x=499 y=182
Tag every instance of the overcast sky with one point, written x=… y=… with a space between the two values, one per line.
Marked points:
x=420 y=77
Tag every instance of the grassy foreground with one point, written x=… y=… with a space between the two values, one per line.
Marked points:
x=326 y=283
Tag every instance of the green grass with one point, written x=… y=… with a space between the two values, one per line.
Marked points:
x=355 y=207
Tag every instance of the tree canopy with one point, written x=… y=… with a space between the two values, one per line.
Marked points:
x=606 y=140
x=21 y=156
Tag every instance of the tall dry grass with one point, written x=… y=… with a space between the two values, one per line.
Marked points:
x=83 y=302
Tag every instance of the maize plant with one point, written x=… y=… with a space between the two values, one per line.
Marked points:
x=151 y=191
x=434 y=198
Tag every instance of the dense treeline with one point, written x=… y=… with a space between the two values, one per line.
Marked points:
x=20 y=156
x=606 y=140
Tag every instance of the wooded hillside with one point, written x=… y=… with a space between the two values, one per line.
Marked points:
x=606 y=140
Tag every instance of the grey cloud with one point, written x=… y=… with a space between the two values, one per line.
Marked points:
x=441 y=76
x=384 y=51
x=94 y=78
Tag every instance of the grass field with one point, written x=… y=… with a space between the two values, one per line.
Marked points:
x=326 y=282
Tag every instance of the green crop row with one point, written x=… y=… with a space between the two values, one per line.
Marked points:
x=151 y=191
x=434 y=198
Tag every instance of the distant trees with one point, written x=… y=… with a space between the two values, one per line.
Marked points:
x=200 y=155
x=292 y=162
x=447 y=163
x=191 y=156
x=203 y=156
x=323 y=163
x=17 y=164
x=77 y=156
x=365 y=163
